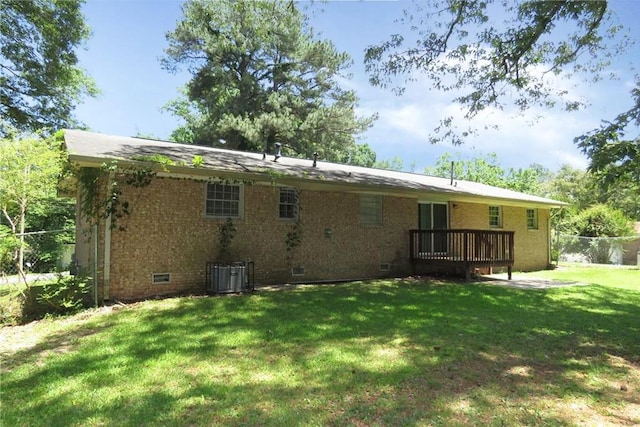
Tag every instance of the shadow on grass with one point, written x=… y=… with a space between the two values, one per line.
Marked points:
x=395 y=352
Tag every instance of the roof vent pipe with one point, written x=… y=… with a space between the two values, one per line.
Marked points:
x=452 y=164
x=278 y=152
x=315 y=159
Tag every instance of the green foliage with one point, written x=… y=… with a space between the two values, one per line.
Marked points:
x=260 y=77
x=602 y=221
x=101 y=190
x=615 y=158
x=358 y=155
x=487 y=170
x=394 y=164
x=9 y=247
x=584 y=189
x=293 y=238
x=226 y=234
x=30 y=169
x=40 y=80
x=197 y=161
x=67 y=294
x=491 y=53
x=157 y=158
x=63 y=295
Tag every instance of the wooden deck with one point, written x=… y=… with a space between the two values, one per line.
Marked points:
x=466 y=249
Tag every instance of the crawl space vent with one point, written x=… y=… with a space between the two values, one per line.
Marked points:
x=160 y=278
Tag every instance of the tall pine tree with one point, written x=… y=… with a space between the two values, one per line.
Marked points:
x=261 y=77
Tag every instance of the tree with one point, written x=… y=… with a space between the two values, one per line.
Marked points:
x=487 y=170
x=490 y=53
x=614 y=158
x=40 y=80
x=260 y=77
x=602 y=221
x=30 y=168
x=394 y=164
x=583 y=189
x=358 y=155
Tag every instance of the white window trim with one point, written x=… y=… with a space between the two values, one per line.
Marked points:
x=536 y=224
x=296 y=204
x=379 y=215
x=500 y=218
x=240 y=201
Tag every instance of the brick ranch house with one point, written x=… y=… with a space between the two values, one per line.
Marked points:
x=296 y=220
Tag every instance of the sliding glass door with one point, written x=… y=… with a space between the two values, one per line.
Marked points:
x=433 y=216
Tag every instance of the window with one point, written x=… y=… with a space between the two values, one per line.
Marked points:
x=370 y=210
x=495 y=217
x=532 y=219
x=288 y=203
x=223 y=201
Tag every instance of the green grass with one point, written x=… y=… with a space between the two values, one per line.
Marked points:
x=625 y=277
x=386 y=352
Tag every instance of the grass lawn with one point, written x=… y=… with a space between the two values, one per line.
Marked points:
x=383 y=352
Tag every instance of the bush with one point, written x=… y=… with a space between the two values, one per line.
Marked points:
x=602 y=221
x=65 y=295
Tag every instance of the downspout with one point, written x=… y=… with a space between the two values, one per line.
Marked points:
x=107 y=252
x=549 y=242
x=95 y=264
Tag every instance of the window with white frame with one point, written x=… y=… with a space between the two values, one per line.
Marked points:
x=495 y=216
x=532 y=219
x=288 y=203
x=370 y=209
x=223 y=200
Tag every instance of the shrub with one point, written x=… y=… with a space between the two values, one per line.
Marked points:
x=602 y=221
x=66 y=295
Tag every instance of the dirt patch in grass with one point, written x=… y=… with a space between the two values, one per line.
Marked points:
x=47 y=336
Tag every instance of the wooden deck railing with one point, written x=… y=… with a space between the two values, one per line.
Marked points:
x=464 y=248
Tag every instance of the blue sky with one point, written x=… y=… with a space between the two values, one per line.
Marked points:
x=123 y=56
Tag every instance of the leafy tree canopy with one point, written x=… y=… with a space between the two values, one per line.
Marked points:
x=494 y=52
x=602 y=221
x=487 y=170
x=30 y=169
x=260 y=77
x=614 y=148
x=358 y=155
x=583 y=189
x=40 y=80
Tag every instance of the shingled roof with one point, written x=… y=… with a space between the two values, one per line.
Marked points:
x=93 y=149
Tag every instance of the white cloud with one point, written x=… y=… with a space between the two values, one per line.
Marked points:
x=538 y=135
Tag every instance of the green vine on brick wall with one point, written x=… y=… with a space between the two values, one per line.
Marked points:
x=293 y=238
x=95 y=204
x=226 y=233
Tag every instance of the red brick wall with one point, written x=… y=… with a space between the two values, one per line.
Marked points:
x=167 y=232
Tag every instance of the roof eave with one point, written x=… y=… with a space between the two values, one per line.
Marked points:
x=315 y=183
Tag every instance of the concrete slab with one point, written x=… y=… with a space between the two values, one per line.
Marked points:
x=528 y=282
